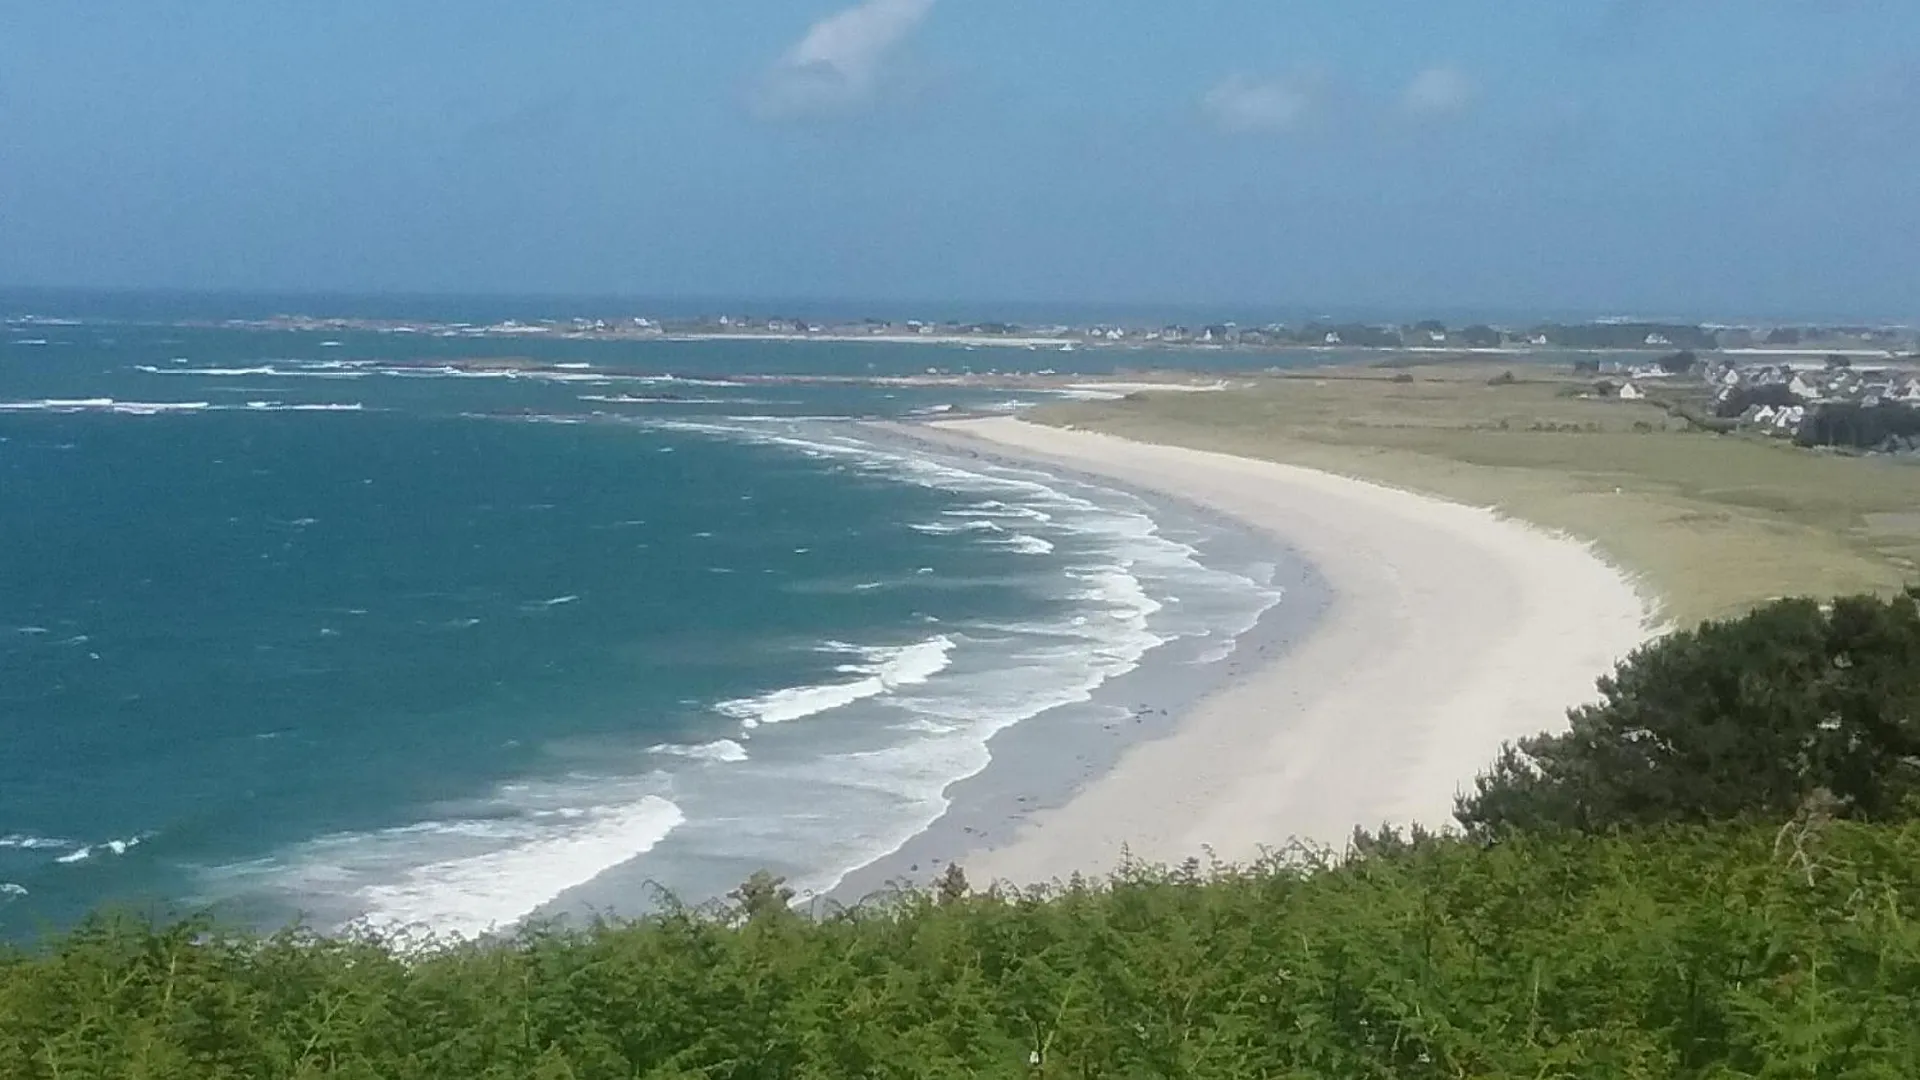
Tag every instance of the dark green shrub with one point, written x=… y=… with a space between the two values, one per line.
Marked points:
x=1744 y=718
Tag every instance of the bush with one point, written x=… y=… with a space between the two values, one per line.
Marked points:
x=1679 y=363
x=1481 y=336
x=1857 y=425
x=1746 y=718
x=1719 y=953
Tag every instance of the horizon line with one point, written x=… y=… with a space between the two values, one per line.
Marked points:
x=789 y=306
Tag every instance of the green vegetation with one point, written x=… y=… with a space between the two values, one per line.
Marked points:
x=1626 y=335
x=1858 y=426
x=1697 y=952
x=1713 y=524
x=1679 y=363
x=1592 y=923
x=1789 y=706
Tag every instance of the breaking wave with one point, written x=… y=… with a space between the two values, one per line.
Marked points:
x=108 y=847
x=725 y=751
x=880 y=670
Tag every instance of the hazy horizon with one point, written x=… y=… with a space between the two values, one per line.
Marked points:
x=1710 y=160
x=195 y=304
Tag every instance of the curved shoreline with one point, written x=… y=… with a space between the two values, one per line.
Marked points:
x=1448 y=630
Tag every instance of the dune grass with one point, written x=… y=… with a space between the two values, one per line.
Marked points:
x=1710 y=524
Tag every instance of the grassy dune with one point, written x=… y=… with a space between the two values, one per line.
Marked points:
x=1712 y=524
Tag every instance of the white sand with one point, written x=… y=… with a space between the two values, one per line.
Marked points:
x=1114 y=390
x=1452 y=629
x=1001 y=341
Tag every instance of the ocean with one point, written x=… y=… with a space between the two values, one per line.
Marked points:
x=337 y=627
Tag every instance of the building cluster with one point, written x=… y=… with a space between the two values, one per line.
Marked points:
x=1307 y=335
x=1836 y=404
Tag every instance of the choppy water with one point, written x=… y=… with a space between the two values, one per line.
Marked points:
x=304 y=624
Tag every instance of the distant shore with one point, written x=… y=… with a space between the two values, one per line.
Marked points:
x=992 y=341
x=1314 y=336
x=1446 y=630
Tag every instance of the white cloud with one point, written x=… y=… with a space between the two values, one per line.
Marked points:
x=1242 y=103
x=840 y=64
x=1438 y=91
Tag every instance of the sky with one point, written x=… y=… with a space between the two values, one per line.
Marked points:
x=1699 y=158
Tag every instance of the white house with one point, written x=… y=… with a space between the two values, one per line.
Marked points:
x=1630 y=392
x=1803 y=389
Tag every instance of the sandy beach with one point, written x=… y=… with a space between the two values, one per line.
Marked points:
x=994 y=341
x=1449 y=630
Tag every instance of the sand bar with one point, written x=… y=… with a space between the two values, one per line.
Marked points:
x=1450 y=630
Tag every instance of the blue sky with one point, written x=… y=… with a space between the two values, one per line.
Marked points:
x=1684 y=157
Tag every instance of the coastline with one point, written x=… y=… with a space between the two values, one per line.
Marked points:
x=1041 y=764
x=1419 y=635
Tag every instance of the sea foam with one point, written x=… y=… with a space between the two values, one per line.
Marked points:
x=943 y=528
x=23 y=842
x=880 y=670
x=1028 y=545
x=227 y=372
x=724 y=751
x=282 y=406
x=109 y=405
x=482 y=868
x=108 y=847
x=478 y=893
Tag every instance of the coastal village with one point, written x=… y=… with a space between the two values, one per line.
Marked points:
x=1833 y=401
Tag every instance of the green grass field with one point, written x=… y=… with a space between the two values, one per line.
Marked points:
x=1710 y=524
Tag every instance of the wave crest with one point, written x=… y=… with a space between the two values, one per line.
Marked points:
x=719 y=750
x=882 y=670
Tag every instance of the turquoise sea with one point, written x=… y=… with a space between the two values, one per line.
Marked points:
x=296 y=624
